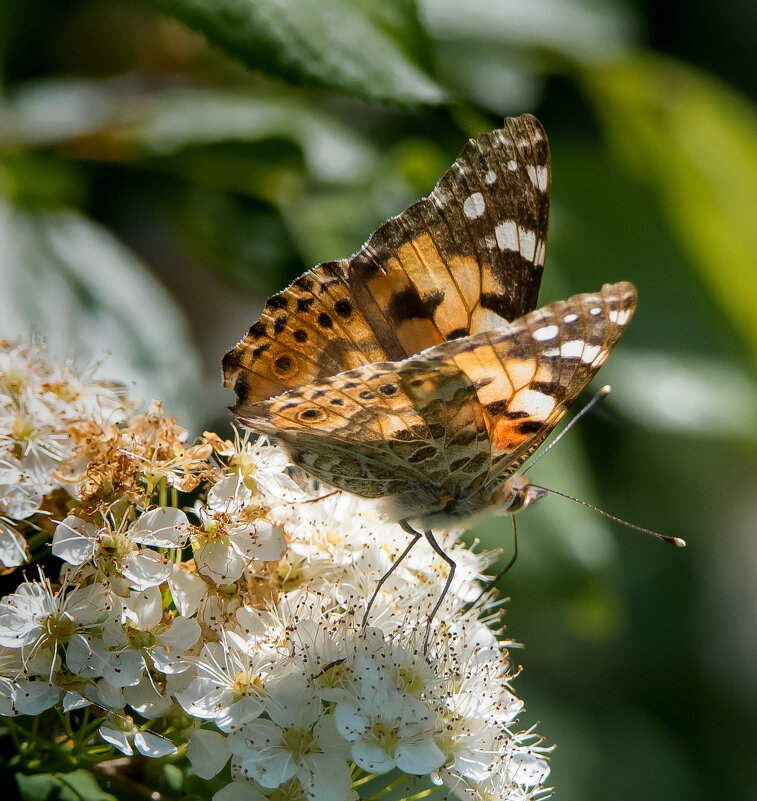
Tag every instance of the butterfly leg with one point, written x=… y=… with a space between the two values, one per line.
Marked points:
x=438 y=548
x=416 y=535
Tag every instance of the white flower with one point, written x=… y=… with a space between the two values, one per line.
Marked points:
x=136 y=638
x=23 y=485
x=121 y=731
x=20 y=694
x=116 y=552
x=231 y=535
x=230 y=687
x=298 y=741
x=386 y=728
x=38 y=619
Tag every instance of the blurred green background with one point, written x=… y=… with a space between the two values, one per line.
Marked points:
x=165 y=166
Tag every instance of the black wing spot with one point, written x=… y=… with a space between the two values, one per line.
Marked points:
x=497 y=303
x=257 y=330
x=283 y=364
x=343 y=308
x=388 y=389
x=530 y=426
x=366 y=395
x=458 y=333
x=325 y=321
x=304 y=282
x=311 y=415
x=279 y=324
x=332 y=268
x=408 y=304
x=301 y=335
x=260 y=350
x=303 y=304
x=546 y=387
x=337 y=402
x=276 y=302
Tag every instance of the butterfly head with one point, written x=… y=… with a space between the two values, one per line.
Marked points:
x=516 y=494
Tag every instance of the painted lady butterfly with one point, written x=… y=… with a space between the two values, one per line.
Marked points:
x=418 y=370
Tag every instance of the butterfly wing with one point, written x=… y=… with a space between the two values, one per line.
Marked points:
x=463 y=260
x=377 y=430
x=528 y=374
x=445 y=427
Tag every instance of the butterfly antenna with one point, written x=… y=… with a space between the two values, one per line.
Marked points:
x=677 y=541
x=603 y=393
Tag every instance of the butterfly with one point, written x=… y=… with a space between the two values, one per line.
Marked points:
x=419 y=370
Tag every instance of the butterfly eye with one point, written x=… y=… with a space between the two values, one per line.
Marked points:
x=283 y=365
x=311 y=415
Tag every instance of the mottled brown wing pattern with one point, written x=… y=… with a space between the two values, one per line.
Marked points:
x=463 y=260
x=377 y=430
x=457 y=419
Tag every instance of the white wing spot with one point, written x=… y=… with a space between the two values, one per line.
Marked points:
x=572 y=349
x=570 y=318
x=474 y=205
x=490 y=177
x=550 y=353
x=538 y=405
x=527 y=243
x=595 y=311
x=619 y=316
x=512 y=165
x=542 y=178
x=507 y=235
x=590 y=353
x=531 y=170
x=545 y=333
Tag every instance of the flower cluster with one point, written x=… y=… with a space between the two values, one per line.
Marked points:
x=210 y=600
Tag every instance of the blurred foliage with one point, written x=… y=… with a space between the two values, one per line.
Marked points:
x=164 y=166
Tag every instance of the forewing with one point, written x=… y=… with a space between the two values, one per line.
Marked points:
x=463 y=260
x=527 y=374
x=379 y=430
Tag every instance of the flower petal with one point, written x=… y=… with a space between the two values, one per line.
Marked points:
x=207 y=752
x=164 y=527
x=74 y=540
x=144 y=569
x=153 y=745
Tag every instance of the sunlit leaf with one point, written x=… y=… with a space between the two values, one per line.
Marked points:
x=71 y=281
x=696 y=141
x=580 y=29
x=678 y=394
x=350 y=46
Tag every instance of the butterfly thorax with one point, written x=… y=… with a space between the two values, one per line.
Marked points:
x=431 y=507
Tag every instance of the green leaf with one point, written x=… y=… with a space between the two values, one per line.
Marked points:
x=80 y=785
x=695 y=140
x=351 y=46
